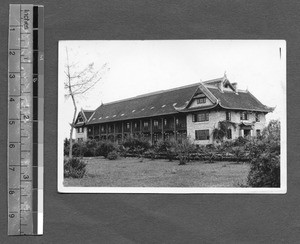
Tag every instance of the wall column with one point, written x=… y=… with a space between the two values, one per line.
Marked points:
x=106 y=131
x=122 y=126
x=140 y=128
x=151 y=131
x=162 y=129
x=175 y=131
x=114 y=131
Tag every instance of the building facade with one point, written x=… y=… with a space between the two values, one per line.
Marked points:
x=195 y=111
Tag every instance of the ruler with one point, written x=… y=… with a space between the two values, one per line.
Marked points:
x=25 y=119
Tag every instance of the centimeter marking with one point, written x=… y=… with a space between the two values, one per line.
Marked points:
x=25 y=119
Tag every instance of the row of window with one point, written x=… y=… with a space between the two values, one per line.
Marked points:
x=201 y=100
x=202 y=135
x=135 y=125
x=204 y=116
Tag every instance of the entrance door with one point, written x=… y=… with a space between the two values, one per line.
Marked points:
x=247 y=132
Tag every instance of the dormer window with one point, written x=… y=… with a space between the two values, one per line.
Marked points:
x=201 y=100
x=244 y=116
x=80 y=119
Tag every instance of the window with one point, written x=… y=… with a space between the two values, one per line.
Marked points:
x=146 y=124
x=229 y=134
x=202 y=134
x=257 y=119
x=80 y=119
x=228 y=116
x=102 y=128
x=201 y=100
x=165 y=122
x=244 y=116
x=155 y=123
x=127 y=125
x=200 y=117
x=135 y=125
x=177 y=121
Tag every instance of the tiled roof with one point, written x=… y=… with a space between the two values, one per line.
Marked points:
x=88 y=113
x=243 y=100
x=171 y=102
x=144 y=106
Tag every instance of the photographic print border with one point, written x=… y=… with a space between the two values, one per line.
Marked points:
x=176 y=190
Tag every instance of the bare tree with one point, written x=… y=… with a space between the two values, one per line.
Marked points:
x=78 y=82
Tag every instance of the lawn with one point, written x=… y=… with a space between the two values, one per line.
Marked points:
x=133 y=172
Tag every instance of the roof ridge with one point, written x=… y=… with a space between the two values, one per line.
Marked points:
x=151 y=94
x=213 y=80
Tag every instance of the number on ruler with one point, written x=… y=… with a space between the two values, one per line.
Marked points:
x=12 y=76
x=12 y=168
x=12 y=53
x=11 y=192
x=25 y=177
x=11 y=99
x=11 y=215
x=12 y=145
x=11 y=122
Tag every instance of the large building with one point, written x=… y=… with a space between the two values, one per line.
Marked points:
x=193 y=111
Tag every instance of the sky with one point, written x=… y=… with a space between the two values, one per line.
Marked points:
x=139 y=67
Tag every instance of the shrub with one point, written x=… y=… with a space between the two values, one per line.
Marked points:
x=265 y=154
x=66 y=147
x=151 y=153
x=105 y=147
x=77 y=150
x=167 y=147
x=240 y=141
x=136 y=144
x=74 y=168
x=265 y=171
x=238 y=152
x=183 y=151
x=90 y=148
x=112 y=155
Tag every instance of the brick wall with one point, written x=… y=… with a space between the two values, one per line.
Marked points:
x=82 y=135
x=215 y=117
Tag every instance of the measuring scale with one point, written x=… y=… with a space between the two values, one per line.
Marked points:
x=25 y=119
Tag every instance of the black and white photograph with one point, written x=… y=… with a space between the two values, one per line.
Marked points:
x=172 y=116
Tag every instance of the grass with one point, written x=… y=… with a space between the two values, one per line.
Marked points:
x=134 y=172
